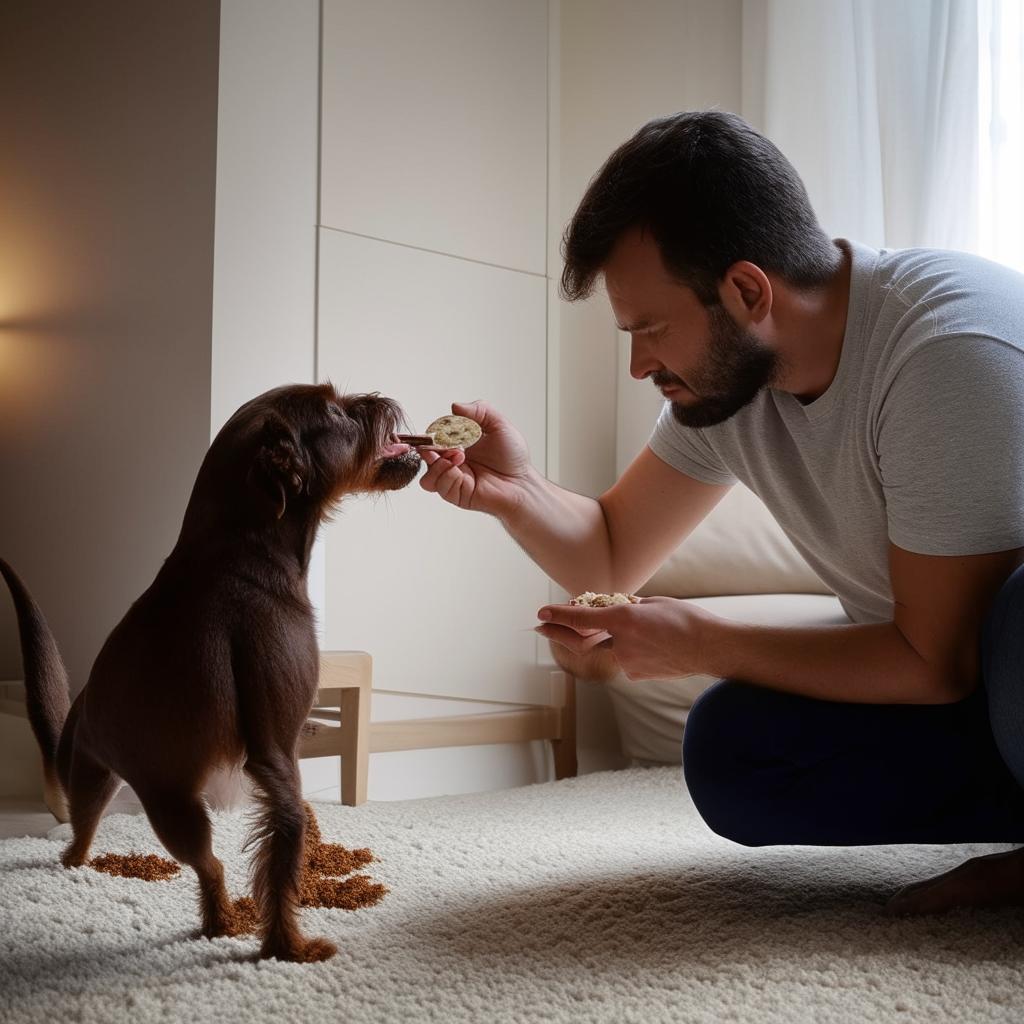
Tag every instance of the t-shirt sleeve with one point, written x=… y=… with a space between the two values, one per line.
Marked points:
x=950 y=442
x=688 y=450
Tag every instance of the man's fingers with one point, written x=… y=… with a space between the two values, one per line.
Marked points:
x=441 y=467
x=480 y=412
x=572 y=640
x=453 y=456
x=429 y=479
x=583 y=620
x=449 y=484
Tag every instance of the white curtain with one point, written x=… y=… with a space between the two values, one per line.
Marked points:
x=876 y=103
x=1001 y=157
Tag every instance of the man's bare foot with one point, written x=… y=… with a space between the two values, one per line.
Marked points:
x=995 y=880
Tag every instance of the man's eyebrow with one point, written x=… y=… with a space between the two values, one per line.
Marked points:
x=640 y=325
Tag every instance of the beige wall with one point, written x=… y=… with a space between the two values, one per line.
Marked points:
x=264 y=274
x=106 y=245
x=123 y=343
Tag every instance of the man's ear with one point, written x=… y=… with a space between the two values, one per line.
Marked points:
x=280 y=469
x=746 y=292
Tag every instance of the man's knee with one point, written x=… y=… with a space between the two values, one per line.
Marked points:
x=1005 y=615
x=719 y=716
x=1002 y=670
x=714 y=741
x=706 y=710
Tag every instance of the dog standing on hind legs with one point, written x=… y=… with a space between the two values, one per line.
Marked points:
x=217 y=662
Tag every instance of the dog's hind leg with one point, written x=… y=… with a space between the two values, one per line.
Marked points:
x=181 y=823
x=277 y=865
x=91 y=786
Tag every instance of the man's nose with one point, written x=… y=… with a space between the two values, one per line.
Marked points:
x=641 y=363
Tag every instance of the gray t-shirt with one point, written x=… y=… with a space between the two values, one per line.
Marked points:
x=918 y=440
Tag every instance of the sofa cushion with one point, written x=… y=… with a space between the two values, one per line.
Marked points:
x=651 y=713
x=737 y=549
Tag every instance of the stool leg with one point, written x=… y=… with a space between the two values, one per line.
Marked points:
x=355 y=744
x=564 y=748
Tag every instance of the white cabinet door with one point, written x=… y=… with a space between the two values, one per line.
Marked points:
x=435 y=125
x=442 y=598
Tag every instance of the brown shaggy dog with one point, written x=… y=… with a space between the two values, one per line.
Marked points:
x=217 y=662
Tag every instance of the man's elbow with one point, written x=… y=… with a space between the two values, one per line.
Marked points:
x=942 y=676
x=946 y=687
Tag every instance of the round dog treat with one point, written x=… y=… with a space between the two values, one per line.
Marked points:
x=454 y=431
x=588 y=599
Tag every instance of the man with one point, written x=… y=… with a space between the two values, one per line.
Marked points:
x=875 y=402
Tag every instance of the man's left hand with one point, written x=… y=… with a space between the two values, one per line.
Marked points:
x=658 y=638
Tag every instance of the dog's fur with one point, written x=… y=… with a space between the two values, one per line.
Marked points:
x=217 y=662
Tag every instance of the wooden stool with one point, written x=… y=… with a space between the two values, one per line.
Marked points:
x=346 y=680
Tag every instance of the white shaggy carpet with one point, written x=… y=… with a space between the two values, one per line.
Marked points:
x=603 y=898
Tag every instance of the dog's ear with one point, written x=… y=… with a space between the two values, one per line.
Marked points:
x=280 y=469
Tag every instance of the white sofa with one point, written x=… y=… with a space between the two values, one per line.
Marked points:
x=738 y=564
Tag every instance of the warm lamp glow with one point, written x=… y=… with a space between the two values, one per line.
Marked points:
x=34 y=374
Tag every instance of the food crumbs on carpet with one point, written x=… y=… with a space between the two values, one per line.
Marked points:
x=319 y=885
x=147 y=866
x=342 y=894
x=330 y=858
x=244 y=919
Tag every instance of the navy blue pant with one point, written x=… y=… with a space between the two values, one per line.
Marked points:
x=767 y=768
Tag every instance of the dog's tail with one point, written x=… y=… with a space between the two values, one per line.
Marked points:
x=47 y=695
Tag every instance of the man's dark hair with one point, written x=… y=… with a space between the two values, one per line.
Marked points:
x=711 y=190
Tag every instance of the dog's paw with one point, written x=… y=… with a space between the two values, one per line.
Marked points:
x=305 y=951
x=73 y=857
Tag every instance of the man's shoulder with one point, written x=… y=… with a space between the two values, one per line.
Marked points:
x=903 y=268
x=945 y=292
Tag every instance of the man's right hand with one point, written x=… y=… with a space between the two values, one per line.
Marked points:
x=491 y=476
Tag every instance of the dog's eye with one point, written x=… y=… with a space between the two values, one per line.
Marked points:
x=335 y=409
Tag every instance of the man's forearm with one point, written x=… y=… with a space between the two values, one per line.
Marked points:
x=565 y=533
x=870 y=664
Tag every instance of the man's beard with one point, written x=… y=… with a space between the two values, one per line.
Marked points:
x=738 y=367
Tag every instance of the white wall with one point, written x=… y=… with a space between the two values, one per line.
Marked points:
x=623 y=64
x=433 y=289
